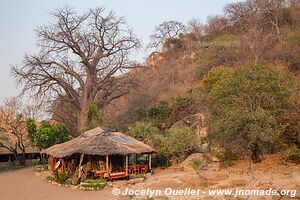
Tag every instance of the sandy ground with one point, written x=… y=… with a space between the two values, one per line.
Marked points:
x=27 y=184
x=30 y=184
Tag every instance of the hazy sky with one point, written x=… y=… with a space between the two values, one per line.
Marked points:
x=19 y=18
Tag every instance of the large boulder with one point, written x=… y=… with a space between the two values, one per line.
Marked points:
x=187 y=163
x=154 y=58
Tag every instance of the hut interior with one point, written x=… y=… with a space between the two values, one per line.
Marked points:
x=94 y=166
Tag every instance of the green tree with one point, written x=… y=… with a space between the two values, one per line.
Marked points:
x=245 y=105
x=31 y=128
x=48 y=135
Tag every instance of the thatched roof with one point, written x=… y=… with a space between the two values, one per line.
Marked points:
x=99 y=141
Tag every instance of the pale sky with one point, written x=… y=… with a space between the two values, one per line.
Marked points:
x=19 y=18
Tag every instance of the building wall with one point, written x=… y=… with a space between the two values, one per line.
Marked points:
x=8 y=161
x=12 y=164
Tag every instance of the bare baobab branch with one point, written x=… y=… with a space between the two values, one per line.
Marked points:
x=82 y=58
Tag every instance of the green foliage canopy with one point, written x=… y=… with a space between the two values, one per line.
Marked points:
x=48 y=135
x=31 y=128
x=245 y=103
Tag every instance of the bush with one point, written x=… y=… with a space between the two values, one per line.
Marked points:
x=143 y=131
x=183 y=101
x=39 y=162
x=98 y=184
x=50 y=178
x=156 y=114
x=35 y=162
x=75 y=179
x=292 y=153
x=60 y=178
x=178 y=143
x=215 y=75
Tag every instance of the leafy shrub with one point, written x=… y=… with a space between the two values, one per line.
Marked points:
x=177 y=143
x=50 y=178
x=35 y=162
x=39 y=162
x=98 y=184
x=75 y=179
x=292 y=153
x=142 y=112
x=215 y=75
x=183 y=101
x=156 y=114
x=143 y=131
x=159 y=113
x=60 y=178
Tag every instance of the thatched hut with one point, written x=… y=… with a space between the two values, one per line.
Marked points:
x=99 y=151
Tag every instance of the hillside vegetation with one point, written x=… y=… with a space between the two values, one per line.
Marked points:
x=239 y=69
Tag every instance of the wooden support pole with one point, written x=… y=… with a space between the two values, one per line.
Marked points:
x=150 y=160
x=126 y=165
x=107 y=166
x=110 y=166
x=79 y=166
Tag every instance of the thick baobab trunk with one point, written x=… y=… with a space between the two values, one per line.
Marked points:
x=82 y=117
x=85 y=102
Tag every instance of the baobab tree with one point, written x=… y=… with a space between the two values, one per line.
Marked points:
x=83 y=58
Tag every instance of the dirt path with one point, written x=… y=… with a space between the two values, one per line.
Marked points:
x=29 y=184
x=24 y=184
